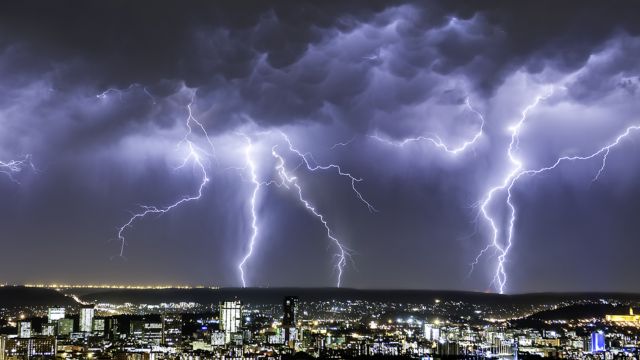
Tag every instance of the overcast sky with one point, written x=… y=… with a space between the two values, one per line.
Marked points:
x=98 y=95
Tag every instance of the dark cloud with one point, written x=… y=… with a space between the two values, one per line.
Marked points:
x=99 y=93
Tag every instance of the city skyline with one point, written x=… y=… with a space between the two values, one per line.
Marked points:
x=489 y=147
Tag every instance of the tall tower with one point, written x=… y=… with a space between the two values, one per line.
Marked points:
x=86 y=318
x=289 y=318
x=230 y=318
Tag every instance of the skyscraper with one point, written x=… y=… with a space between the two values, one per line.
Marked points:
x=290 y=309
x=597 y=342
x=86 y=318
x=230 y=318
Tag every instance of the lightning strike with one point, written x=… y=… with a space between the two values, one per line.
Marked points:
x=500 y=276
x=312 y=165
x=436 y=141
x=105 y=94
x=343 y=143
x=194 y=156
x=289 y=181
x=12 y=167
x=517 y=172
x=257 y=185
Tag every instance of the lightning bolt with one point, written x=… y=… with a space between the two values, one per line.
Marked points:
x=12 y=167
x=500 y=277
x=510 y=180
x=257 y=185
x=437 y=141
x=343 y=143
x=105 y=94
x=194 y=155
x=291 y=181
x=312 y=165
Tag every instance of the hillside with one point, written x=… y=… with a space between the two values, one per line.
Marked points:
x=17 y=296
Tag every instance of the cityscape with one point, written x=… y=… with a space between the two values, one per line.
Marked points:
x=372 y=324
x=319 y=179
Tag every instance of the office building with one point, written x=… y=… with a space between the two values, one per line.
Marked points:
x=86 y=318
x=597 y=342
x=48 y=329
x=289 y=318
x=98 y=327
x=171 y=329
x=230 y=318
x=24 y=329
x=55 y=314
x=38 y=347
x=65 y=327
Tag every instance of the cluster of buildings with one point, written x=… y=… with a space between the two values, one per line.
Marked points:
x=329 y=329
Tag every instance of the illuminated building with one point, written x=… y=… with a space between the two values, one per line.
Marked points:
x=152 y=332
x=3 y=343
x=65 y=327
x=217 y=338
x=55 y=314
x=86 y=318
x=290 y=309
x=48 y=329
x=24 y=329
x=98 y=327
x=631 y=318
x=597 y=342
x=171 y=329
x=230 y=318
x=40 y=347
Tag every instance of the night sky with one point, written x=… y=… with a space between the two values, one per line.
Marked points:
x=98 y=96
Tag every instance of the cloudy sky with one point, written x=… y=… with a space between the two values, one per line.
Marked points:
x=401 y=118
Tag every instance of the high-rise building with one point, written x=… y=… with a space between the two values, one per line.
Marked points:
x=65 y=327
x=24 y=329
x=230 y=318
x=86 y=318
x=171 y=329
x=3 y=345
x=98 y=327
x=597 y=342
x=55 y=314
x=290 y=309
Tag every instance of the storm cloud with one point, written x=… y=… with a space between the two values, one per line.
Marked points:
x=98 y=93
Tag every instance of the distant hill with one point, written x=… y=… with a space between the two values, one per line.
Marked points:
x=275 y=295
x=16 y=296
x=580 y=311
